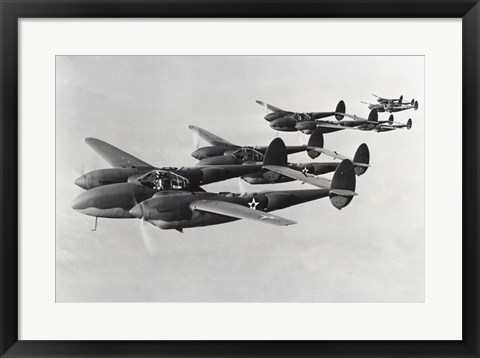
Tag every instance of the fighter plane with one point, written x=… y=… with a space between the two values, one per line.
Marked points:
x=222 y=152
x=127 y=168
x=286 y=121
x=360 y=161
x=314 y=148
x=358 y=123
x=120 y=200
x=392 y=105
x=194 y=209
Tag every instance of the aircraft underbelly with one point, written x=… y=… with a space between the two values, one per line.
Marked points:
x=112 y=213
x=198 y=219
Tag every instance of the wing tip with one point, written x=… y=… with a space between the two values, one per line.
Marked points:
x=91 y=140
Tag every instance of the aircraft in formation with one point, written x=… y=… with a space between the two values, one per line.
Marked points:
x=222 y=152
x=391 y=104
x=314 y=148
x=287 y=121
x=169 y=200
x=173 y=197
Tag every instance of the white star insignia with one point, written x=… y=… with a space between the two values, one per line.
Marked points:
x=253 y=204
x=305 y=171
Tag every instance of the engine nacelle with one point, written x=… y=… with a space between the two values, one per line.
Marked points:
x=211 y=175
x=306 y=127
x=208 y=152
x=285 y=124
x=165 y=207
x=101 y=177
x=220 y=160
x=272 y=116
x=278 y=201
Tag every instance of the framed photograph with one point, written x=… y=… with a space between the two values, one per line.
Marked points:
x=220 y=178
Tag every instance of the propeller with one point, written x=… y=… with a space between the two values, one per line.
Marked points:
x=147 y=240
x=242 y=186
x=300 y=138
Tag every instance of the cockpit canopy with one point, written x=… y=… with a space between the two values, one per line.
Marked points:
x=302 y=117
x=248 y=155
x=163 y=180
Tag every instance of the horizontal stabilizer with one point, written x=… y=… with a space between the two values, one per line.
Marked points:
x=328 y=152
x=343 y=192
x=239 y=212
x=114 y=156
x=294 y=174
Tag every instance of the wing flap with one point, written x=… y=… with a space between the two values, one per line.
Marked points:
x=240 y=212
x=114 y=156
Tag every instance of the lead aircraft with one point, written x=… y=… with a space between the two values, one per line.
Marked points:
x=181 y=210
x=178 y=205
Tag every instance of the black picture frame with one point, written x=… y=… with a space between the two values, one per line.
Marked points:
x=13 y=10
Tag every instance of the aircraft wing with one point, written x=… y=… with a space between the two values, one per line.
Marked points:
x=115 y=157
x=241 y=212
x=270 y=107
x=210 y=137
x=330 y=153
x=336 y=126
x=305 y=178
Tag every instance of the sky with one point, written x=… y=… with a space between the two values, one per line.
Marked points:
x=371 y=251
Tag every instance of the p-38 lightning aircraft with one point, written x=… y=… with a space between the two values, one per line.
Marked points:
x=222 y=152
x=120 y=200
x=180 y=210
x=250 y=154
x=392 y=105
x=287 y=121
x=360 y=161
x=127 y=168
x=364 y=124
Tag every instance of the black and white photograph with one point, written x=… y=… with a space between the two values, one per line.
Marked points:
x=240 y=179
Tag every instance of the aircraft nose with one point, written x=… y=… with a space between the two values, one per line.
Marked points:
x=137 y=211
x=195 y=154
x=79 y=202
x=81 y=182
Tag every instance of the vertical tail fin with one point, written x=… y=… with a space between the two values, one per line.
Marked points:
x=409 y=124
x=373 y=115
x=315 y=140
x=400 y=100
x=361 y=160
x=342 y=188
x=276 y=153
x=390 y=119
x=340 y=110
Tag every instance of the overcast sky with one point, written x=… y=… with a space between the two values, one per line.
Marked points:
x=371 y=251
